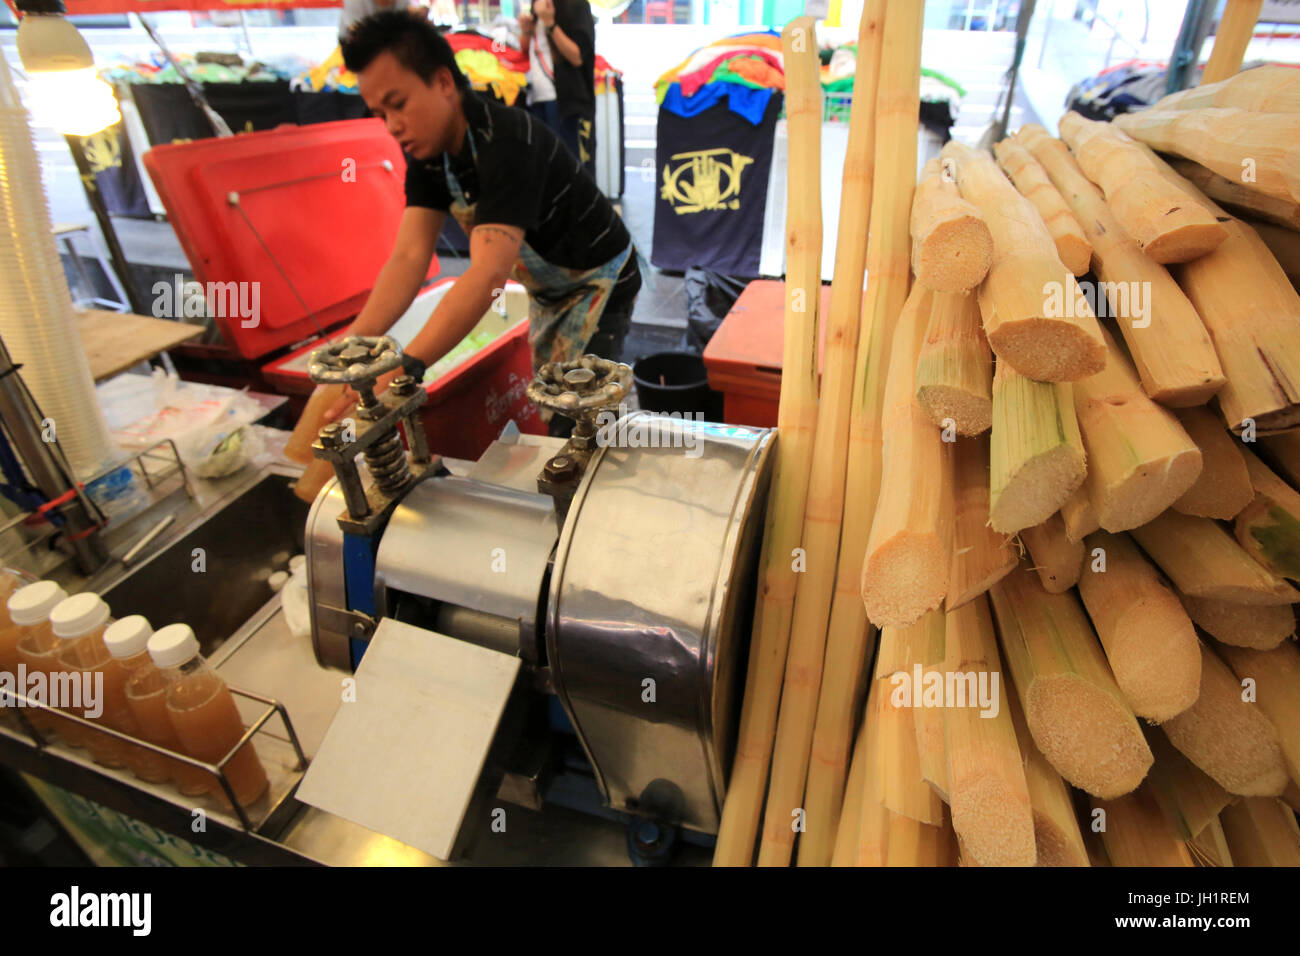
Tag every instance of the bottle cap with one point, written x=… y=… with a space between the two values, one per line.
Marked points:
x=173 y=645
x=78 y=615
x=33 y=604
x=128 y=637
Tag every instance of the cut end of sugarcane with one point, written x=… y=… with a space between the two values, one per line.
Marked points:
x=1154 y=654
x=969 y=414
x=1004 y=832
x=956 y=255
x=904 y=578
x=1048 y=350
x=1242 y=625
x=1148 y=491
x=1034 y=492
x=1055 y=846
x=1186 y=243
x=1087 y=735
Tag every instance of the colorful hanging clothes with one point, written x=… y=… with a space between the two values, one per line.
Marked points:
x=743 y=100
x=694 y=79
x=750 y=70
x=486 y=72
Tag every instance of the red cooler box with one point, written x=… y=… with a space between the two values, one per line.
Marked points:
x=744 y=356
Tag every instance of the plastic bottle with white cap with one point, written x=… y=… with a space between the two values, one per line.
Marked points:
x=203 y=711
x=80 y=621
x=126 y=641
x=146 y=695
x=36 y=647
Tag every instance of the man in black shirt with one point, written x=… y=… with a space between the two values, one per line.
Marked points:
x=531 y=212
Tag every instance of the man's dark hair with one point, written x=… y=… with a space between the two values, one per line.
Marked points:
x=416 y=43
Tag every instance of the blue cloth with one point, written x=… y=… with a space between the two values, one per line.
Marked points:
x=745 y=101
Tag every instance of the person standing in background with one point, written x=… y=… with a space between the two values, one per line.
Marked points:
x=559 y=37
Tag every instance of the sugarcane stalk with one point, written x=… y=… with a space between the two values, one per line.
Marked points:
x=1035 y=318
x=1227 y=737
x=1077 y=714
x=1140 y=461
x=1265 y=89
x=1189 y=798
x=1167 y=222
x=1261 y=831
x=1269 y=527
x=1031 y=179
x=1276 y=674
x=1242 y=625
x=954 y=372
x=951 y=245
x=1223 y=487
x=1170 y=346
x=1150 y=641
x=980 y=555
x=1078 y=515
x=1205 y=561
x=1136 y=832
x=1237 y=196
x=1036 y=454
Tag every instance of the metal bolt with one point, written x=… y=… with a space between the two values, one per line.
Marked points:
x=561 y=468
x=647 y=835
x=403 y=386
x=331 y=435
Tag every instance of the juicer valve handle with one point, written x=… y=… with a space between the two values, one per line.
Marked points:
x=356 y=360
x=581 y=387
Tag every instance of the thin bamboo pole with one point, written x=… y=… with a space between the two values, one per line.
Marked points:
x=797 y=423
x=846 y=834
x=873 y=823
x=1164 y=334
x=1228 y=737
x=1236 y=29
x=1165 y=220
x=898 y=105
x=1034 y=314
x=823 y=515
x=1078 y=716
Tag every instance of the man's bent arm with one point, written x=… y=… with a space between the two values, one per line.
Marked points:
x=493 y=250
x=403 y=274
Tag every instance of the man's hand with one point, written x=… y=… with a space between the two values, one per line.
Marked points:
x=527 y=23
x=544 y=10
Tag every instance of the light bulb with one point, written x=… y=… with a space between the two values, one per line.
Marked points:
x=73 y=102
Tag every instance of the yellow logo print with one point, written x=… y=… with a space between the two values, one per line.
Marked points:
x=706 y=179
x=103 y=150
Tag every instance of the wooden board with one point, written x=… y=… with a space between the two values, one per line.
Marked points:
x=115 y=341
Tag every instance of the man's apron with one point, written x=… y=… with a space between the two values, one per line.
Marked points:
x=566 y=304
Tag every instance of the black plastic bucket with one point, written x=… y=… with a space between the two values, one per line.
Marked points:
x=676 y=382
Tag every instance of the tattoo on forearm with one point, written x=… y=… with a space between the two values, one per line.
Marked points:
x=491 y=232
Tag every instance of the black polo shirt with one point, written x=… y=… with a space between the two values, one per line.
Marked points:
x=525 y=177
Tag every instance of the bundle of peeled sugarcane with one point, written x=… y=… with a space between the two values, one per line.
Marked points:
x=1083 y=470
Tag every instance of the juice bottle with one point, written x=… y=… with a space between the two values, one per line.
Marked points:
x=10 y=581
x=126 y=640
x=36 y=647
x=203 y=711
x=80 y=622
x=146 y=694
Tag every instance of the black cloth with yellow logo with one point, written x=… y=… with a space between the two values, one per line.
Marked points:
x=711 y=174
